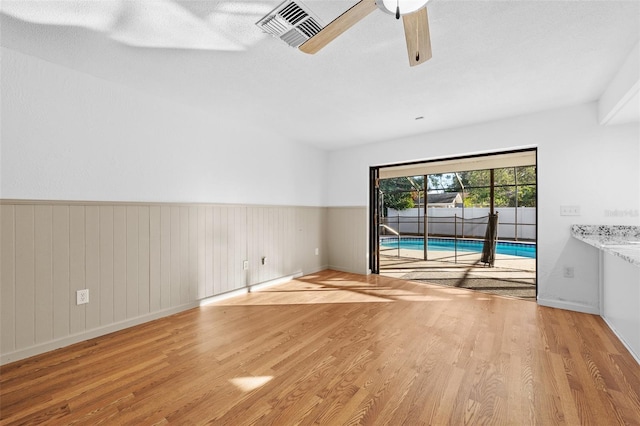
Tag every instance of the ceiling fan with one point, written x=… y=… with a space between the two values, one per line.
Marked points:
x=414 y=19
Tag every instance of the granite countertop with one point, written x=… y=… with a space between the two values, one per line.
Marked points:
x=621 y=241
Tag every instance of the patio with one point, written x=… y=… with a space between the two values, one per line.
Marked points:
x=511 y=276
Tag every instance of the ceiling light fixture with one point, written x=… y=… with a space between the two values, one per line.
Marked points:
x=400 y=7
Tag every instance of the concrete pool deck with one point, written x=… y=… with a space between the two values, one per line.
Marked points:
x=511 y=276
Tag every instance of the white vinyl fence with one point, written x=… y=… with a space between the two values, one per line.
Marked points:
x=468 y=222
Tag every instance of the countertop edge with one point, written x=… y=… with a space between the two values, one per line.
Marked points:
x=595 y=240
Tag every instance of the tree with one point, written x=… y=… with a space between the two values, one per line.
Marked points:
x=398 y=201
x=397 y=193
x=476 y=186
x=514 y=186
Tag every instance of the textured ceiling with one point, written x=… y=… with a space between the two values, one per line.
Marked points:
x=491 y=59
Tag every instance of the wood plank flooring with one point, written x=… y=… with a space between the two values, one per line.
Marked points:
x=338 y=349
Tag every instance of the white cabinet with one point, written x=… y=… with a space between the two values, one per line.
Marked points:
x=620 y=303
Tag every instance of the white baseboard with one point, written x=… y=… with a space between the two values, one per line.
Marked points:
x=347 y=269
x=90 y=334
x=131 y=322
x=570 y=306
x=255 y=287
x=277 y=281
x=636 y=356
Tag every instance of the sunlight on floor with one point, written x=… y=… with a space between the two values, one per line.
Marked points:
x=247 y=384
x=372 y=289
x=512 y=276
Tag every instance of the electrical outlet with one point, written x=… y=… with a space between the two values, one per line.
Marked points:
x=317 y=251
x=245 y=265
x=569 y=210
x=568 y=272
x=82 y=296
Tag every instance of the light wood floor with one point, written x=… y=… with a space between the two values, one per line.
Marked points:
x=336 y=348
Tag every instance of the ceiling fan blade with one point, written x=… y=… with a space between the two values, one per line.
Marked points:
x=338 y=26
x=416 y=32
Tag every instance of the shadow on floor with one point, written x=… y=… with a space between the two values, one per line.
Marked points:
x=511 y=276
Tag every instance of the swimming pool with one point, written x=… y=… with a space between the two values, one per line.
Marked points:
x=448 y=244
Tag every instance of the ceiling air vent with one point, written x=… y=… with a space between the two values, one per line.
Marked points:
x=291 y=23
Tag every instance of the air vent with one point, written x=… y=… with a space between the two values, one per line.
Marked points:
x=291 y=23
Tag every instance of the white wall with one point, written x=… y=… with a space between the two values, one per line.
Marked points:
x=66 y=135
x=347 y=250
x=70 y=136
x=579 y=163
x=619 y=102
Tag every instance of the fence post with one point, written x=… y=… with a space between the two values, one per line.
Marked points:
x=398 y=237
x=455 y=236
x=425 y=233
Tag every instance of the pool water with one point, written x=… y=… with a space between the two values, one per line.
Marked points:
x=446 y=244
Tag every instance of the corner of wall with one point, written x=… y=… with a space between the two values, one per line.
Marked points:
x=347 y=239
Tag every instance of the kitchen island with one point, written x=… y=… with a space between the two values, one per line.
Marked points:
x=619 y=268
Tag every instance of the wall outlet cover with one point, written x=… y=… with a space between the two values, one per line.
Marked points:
x=569 y=210
x=568 y=272
x=82 y=296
